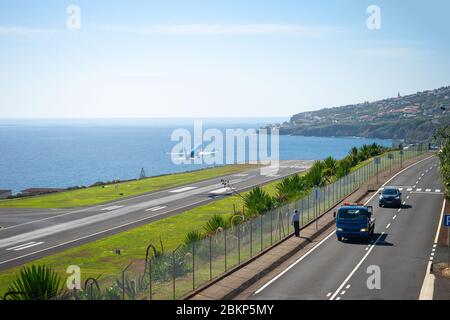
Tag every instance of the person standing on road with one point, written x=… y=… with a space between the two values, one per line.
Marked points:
x=296 y=223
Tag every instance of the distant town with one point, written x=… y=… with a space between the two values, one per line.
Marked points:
x=412 y=117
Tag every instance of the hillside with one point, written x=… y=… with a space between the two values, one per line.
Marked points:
x=413 y=117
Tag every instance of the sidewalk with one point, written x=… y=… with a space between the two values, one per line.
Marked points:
x=234 y=283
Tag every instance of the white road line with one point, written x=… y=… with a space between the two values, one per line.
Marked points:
x=328 y=294
x=182 y=189
x=426 y=293
x=394 y=217
x=29 y=246
x=417 y=182
x=419 y=190
x=399 y=210
x=428 y=190
x=437 y=190
x=343 y=292
x=388 y=226
x=357 y=267
x=348 y=286
x=333 y=232
x=338 y=298
x=293 y=264
x=409 y=189
x=400 y=189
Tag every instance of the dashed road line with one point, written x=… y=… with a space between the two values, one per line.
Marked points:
x=388 y=226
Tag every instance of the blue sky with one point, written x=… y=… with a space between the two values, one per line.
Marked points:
x=216 y=58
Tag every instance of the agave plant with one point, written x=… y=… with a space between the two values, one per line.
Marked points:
x=35 y=283
x=215 y=224
x=192 y=237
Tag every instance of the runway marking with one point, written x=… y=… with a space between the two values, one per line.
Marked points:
x=182 y=189
x=21 y=245
x=221 y=191
x=111 y=208
x=25 y=246
x=156 y=208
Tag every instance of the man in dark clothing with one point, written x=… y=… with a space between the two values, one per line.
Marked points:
x=296 y=223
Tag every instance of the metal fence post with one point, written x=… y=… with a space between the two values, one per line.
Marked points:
x=210 y=258
x=239 y=244
x=261 y=229
x=225 y=245
x=193 y=265
x=174 y=274
x=271 y=228
x=251 y=238
x=150 y=279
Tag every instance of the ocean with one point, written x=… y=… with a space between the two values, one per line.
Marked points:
x=66 y=153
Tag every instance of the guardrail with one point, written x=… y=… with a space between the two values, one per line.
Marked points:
x=173 y=275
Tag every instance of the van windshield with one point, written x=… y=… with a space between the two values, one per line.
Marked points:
x=352 y=214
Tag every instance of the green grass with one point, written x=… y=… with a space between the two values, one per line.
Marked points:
x=97 y=258
x=97 y=195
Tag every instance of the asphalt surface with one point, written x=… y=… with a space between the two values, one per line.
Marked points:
x=28 y=234
x=400 y=250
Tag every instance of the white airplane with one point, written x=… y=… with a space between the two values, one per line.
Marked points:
x=195 y=153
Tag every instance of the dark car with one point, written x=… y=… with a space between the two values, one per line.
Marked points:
x=390 y=197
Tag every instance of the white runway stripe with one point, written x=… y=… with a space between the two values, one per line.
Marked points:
x=156 y=208
x=111 y=208
x=25 y=246
x=182 y=190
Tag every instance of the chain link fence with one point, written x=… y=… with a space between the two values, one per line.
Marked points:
x=173 y=275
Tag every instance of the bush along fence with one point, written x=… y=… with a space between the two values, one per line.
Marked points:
x=225 y=244
x=200 y=260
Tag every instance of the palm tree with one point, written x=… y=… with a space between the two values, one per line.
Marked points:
x=353 y=154
x=314 y=176
x=257 y=201
x=35 y=283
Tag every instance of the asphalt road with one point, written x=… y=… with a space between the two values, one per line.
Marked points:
x=29 y=234
x=400 y=250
